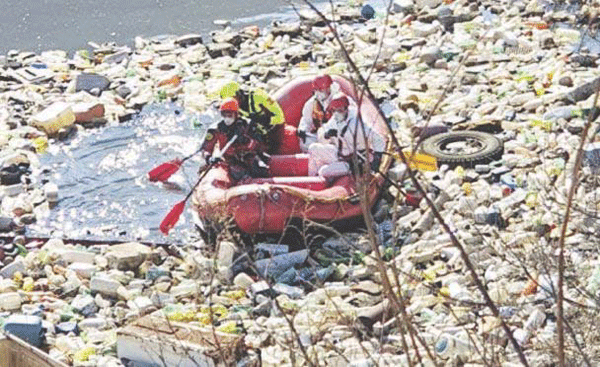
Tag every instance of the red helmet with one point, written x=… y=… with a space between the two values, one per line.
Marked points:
x=230 y=104
x=322 y=82
x=339 y=102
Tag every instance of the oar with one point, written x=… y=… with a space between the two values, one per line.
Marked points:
x=173 y=216
x=166 y=170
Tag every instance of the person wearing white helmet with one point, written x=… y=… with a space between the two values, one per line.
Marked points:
x=340 y=137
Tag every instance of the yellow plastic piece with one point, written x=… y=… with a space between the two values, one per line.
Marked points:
x=228 y=327
x=28 y=284
x=234 y=295
x=84 y=354
x=531 y=200
x=444 y=292
x=218 y=311
x=18 y=277
x=467 y=188
x=40 y=144
x=420 y=161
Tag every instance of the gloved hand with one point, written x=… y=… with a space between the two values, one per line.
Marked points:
x=243 y=139
x=214 y=160
x=301 y=135
x=330 y=133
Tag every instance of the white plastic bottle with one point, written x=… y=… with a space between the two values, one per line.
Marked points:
x=448 y=346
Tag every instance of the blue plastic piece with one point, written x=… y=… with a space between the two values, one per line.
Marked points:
x=367 y=12
x=28 y=328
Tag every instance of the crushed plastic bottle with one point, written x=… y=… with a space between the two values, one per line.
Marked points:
x=565 y=112
x=593 y=281
x=83 y=355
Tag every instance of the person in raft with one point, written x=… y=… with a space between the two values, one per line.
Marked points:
x=243 y=156
x=263 y=112
x=339 y=137
x=315 y=111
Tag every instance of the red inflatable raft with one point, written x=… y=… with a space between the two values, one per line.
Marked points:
x=267 y=205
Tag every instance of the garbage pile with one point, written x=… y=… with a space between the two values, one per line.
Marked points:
x=523 y=75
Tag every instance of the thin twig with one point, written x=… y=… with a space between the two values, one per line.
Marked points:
x=561 y=256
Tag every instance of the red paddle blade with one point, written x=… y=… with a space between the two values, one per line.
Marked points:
x=172 y=218
x=164 y=171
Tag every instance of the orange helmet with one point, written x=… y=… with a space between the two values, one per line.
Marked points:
x=230 y=104
x=339 y=102
x=322 y=82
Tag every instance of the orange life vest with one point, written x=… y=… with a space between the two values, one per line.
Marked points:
x=319 y=115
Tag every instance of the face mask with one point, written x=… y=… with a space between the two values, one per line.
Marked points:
x=228 y=120
x=321 y=96
x=339 y=116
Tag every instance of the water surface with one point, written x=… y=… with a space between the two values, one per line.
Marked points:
x=39 y=25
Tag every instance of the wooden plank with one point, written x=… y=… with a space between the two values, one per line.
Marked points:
x=14 y=352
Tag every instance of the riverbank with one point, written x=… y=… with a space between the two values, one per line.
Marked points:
x=518 y=77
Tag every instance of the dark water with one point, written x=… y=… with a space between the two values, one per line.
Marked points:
x=103 y=188
x=38 y=25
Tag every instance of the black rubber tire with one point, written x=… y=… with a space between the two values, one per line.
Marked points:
x=491 y=148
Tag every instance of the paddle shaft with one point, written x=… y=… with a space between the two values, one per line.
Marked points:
x=207 y=168
x=191 y=155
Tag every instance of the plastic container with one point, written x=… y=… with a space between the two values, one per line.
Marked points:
x=28 y=328
x=59 y=115
x=10 y=301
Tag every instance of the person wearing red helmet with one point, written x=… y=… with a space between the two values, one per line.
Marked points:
x=243 y=157
x=314 y=112
x=340 y=137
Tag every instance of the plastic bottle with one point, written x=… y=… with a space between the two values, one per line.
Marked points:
x=565 y=112
x=448 y=346
x=521 y=336
x=535 y=320
x=458 y=292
